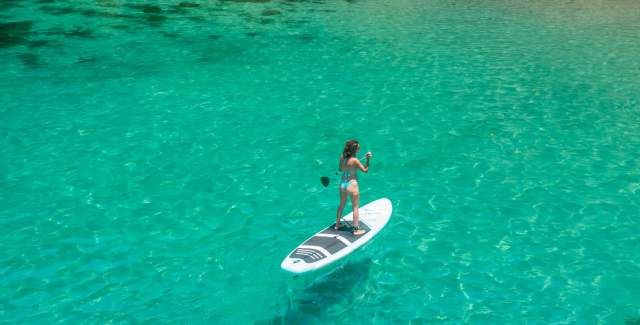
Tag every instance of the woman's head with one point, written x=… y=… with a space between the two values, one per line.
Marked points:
x=351 y=147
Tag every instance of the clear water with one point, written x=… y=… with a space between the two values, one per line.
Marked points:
x=160 y=159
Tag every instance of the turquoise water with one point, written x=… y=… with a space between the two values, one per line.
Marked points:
x=159 y=160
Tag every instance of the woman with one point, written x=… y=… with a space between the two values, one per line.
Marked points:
x=349 y=166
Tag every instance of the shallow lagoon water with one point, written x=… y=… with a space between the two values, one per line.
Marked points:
x=161 y=158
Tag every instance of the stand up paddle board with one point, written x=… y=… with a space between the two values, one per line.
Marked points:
x=330 y=245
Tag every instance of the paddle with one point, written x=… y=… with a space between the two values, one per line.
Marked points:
x=325 y=180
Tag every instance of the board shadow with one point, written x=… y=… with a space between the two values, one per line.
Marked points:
x=339 y=286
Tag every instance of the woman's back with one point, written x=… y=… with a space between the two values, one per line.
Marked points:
x=349 y=168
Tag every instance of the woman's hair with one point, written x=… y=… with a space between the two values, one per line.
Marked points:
x=350 y=149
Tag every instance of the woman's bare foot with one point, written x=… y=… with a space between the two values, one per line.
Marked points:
x=337 y=226
x=358 y=232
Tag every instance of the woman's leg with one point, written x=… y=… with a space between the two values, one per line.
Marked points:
x=343 y=202
x=355 y=203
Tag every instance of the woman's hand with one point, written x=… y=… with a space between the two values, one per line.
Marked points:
x=369 y=155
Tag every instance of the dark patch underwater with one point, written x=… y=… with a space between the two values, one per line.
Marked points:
x=15 y=33
x=30 y=60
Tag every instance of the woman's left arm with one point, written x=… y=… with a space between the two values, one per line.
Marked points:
x=364 y=169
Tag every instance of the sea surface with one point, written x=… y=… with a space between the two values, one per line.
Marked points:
x=159 y=159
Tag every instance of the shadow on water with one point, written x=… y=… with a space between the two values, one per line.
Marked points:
x=632 y=321
x=312 y=301
x=7 y=4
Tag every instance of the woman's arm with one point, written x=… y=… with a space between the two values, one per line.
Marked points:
x=364 y=168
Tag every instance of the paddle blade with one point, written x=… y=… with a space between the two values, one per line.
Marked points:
x=324 y=180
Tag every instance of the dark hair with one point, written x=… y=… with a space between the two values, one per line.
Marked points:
x=350 y=149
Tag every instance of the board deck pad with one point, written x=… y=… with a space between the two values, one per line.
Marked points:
x=330 y=245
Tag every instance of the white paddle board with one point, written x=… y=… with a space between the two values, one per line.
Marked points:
x=330 y=245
